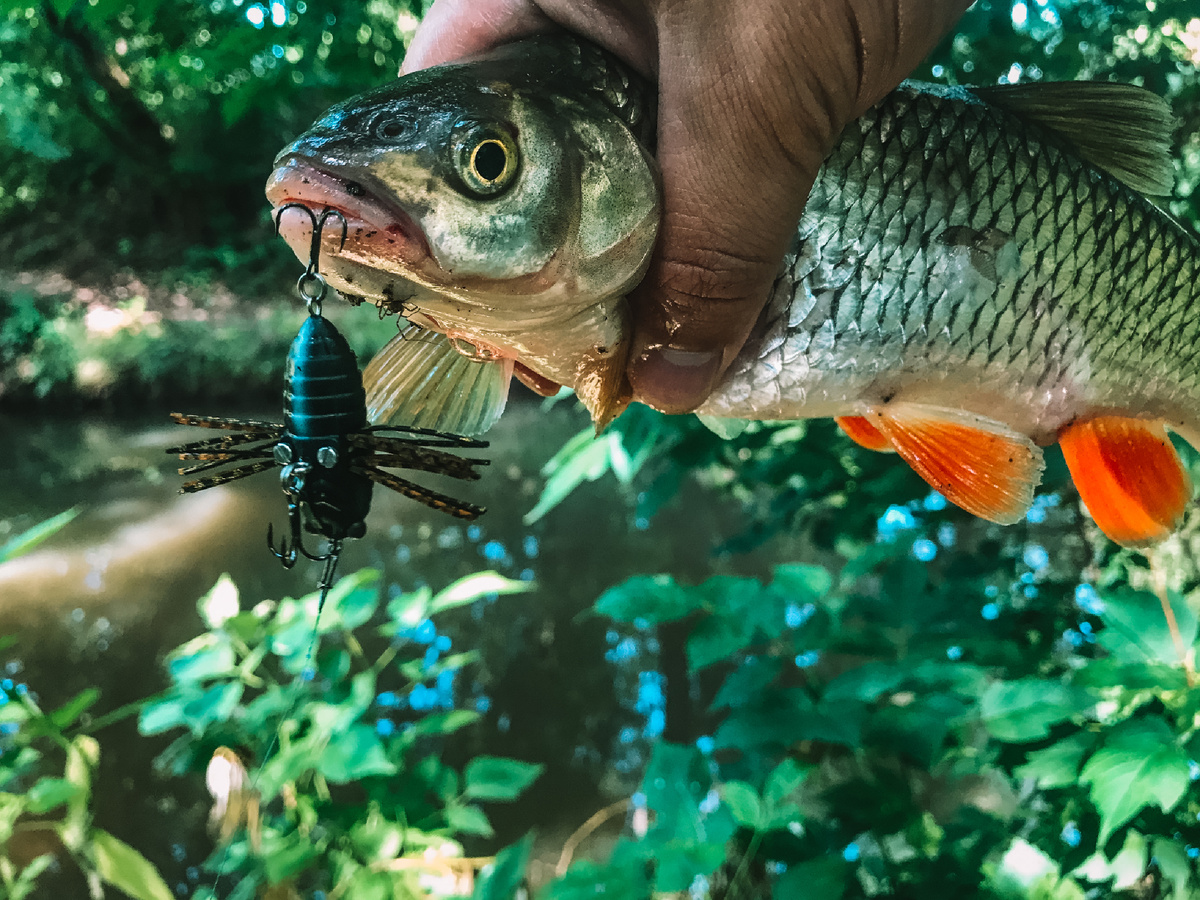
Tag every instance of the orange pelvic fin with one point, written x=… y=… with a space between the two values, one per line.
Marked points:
x=860 y=430
x=980 y=464
x=1129 y=476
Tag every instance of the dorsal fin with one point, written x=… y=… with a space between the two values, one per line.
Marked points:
x=1120 y=128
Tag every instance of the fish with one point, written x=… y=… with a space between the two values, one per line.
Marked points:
x=979 y=273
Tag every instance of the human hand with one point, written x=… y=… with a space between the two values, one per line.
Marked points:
x=751 y=97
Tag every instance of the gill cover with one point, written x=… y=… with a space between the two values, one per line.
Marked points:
x=510 y=198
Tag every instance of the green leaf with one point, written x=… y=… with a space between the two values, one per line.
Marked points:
x=31 y=537
x=1175 y=866
x=353 y=754
x=740 y=609
x=26 y=882
x=583 y=458
x=351 y=602
x=214 y=704
x=47 y=793
x=1024 y=710
x=208 y=656
x=866 y=682
x=287 y=854
x=1136 y=629
x=747 y=681
x=162 y=714
x=126 y=869
x=823 y=878
x=469 y=589
x=468 y=819
x=65 y=715
x=504 y=877
x=1058 y=765
x=623 y=876
x=495 y=778
x=784 y=779
x=801 y=583
x=655 y=598
x=743 y=802
x=376 y=838
x=1138 y=765
x=407 y=610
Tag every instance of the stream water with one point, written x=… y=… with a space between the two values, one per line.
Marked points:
x=101 y=602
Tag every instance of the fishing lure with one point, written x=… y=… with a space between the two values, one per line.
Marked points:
x=330 y=459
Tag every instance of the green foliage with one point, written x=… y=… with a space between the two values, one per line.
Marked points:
x=138 y=124
x=33 y=745
x=31 y=537
x=350 y=794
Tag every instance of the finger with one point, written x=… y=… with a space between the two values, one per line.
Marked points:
x=453 y=29
x=739 y=146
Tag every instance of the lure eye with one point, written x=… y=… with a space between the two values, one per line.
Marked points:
x=486 y=159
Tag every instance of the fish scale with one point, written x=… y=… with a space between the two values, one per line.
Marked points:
x=975 y=273
x=1096 y=265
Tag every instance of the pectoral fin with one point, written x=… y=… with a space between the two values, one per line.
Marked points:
x=420 y=379
x=863 y=433
x=977 y=463
x=1129 y=476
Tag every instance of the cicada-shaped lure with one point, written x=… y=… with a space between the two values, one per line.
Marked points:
x=329 y=458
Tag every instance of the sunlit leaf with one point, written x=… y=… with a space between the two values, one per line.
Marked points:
x=208 y=656
x=1058 y=765
x=353 y=754
x=47 y=793
x=1136 y=628
x=1024 y=710
x=220 y=603
x=1138 y=765
x=469 y=589
x=743 y=802
x=65 y=715
x=31 y=537
x=468 y=819
x=126 y=869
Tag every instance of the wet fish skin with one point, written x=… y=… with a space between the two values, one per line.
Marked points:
x=974 y=274
x=954 y=255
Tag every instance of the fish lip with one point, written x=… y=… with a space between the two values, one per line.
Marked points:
x=296 y=179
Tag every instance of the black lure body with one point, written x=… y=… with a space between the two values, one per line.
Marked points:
x=330 y=458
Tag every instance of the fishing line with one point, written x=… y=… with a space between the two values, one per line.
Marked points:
x=306 y=674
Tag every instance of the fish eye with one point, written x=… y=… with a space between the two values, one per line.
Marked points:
x=486 y=159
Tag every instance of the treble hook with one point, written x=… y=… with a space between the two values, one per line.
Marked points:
x=318 y=225
x=311 y=295
x=286 y=553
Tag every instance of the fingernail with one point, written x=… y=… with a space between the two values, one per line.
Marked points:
x=673 y=380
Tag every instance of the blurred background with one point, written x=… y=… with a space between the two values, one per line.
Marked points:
x=942 y=670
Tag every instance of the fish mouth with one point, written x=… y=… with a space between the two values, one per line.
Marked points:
x=378 y=235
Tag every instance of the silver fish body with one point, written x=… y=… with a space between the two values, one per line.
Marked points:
x=953 y=254
x=977 y=272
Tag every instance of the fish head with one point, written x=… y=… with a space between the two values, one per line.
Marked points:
x=488 y=201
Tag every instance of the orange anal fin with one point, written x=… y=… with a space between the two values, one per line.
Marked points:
x=862 y=432
x=1129 y=476
x=980 y=464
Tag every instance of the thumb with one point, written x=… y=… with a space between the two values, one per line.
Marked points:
x=739 y=148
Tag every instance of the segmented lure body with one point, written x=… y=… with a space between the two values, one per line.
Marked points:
x=330 y=459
